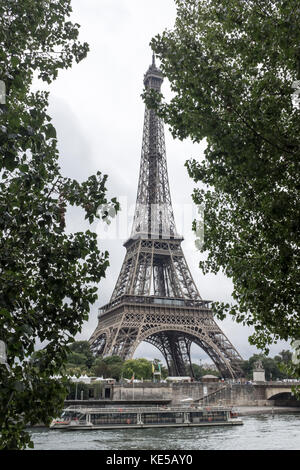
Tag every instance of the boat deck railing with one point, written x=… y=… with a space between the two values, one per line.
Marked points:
x=84 y=409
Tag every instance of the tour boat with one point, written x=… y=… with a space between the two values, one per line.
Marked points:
x=74 y=418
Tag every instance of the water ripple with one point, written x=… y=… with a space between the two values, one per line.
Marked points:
x=258 y=432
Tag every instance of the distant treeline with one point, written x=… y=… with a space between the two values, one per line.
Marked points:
x=82 y=361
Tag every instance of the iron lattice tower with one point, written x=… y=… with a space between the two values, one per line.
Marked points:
x=155 y=298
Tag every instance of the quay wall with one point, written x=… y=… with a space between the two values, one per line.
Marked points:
x=142 y=391
x=208 y=393
x=235 y=394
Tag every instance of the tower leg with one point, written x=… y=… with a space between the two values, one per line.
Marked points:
x=176 y=351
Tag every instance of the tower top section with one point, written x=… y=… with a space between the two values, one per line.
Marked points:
x=153 y=216
x=153 y=78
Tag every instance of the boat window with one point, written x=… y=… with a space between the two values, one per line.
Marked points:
x=160 y=418
x=207 y=416
x=114 y=418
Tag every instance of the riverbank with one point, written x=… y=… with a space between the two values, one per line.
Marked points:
x=261 y=410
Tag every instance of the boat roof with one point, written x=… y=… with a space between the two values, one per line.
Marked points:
x=182 y=409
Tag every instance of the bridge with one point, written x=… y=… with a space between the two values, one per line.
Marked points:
x=274 y=388
x=259 y=394
x=280 y=391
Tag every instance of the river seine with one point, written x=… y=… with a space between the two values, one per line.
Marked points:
x=263 y=432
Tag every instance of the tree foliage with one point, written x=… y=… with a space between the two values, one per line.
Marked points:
x=199 y=371
x=233 y=67
x=139 y=368
x=80 y=361
x=273 y=366
x=47 y=276
x=108 y=367
x=80 y=353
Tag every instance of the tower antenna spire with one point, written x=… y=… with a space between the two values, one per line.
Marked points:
x=153 y=59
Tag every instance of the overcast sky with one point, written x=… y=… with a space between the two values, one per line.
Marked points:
x=98 y=114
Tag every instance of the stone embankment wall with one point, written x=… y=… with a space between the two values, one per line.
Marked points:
x=171 y=391
x=213 y=393
x=220 y=394
x=239 y=395
x=207 y=393
x=142 y=391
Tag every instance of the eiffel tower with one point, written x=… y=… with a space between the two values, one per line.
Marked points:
x=155 y=298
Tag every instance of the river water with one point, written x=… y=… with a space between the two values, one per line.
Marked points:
x=263 y=432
